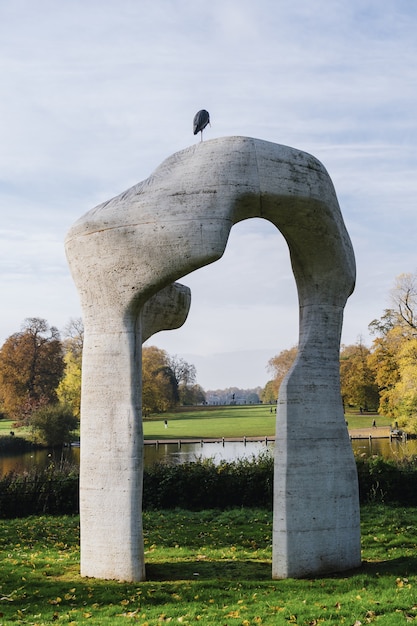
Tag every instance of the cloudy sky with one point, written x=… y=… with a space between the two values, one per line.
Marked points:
x=95 y=94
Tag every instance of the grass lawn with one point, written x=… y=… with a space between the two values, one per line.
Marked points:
x=356 y=420
x=7 y=425
x=210 y=567
x=217 y=422
x=232 y=421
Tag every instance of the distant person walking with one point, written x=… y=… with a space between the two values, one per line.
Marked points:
x=166 y=423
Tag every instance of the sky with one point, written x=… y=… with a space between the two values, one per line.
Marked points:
x=97 y=93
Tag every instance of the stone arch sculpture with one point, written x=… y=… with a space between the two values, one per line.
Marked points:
x=125 y=256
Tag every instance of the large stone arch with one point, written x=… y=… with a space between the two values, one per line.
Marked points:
x=125 y=256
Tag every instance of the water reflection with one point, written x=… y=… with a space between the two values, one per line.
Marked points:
x=37 y=459
x=172 y=453
x=165 y=453
x=229 y=451
x=395 y=449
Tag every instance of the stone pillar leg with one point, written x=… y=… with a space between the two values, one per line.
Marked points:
x=111 y=454
x=316 y=506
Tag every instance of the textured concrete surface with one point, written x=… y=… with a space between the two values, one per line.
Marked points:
x=122 y=255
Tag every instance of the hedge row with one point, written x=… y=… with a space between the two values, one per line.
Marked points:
x=199 y=485
x=204 y=485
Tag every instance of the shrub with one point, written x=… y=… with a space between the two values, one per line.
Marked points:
x=53 y=423
x=53 y=490
x=203 y=485
x=387 y=480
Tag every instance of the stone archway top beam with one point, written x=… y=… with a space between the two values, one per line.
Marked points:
x=179 y=220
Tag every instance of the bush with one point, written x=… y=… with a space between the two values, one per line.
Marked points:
x=203 y=485
x=54 y=491
x=53 y=423
x=388 y=480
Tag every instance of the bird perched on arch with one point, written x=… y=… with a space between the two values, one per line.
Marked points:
x=201 y=119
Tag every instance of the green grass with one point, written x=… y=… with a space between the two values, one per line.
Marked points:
x=210 y=567
x=232 y=421
x=7 y=425
x=356 y=420
x=217 y=422
x=213 y=422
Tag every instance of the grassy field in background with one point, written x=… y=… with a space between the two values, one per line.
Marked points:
x=212 y=422
x=7 y=425
x=218 y=421
x=232 y=421
x=211 y=568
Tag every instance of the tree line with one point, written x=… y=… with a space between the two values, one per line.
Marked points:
x=382 y=377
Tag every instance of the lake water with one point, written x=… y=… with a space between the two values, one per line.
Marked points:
x=172 y=453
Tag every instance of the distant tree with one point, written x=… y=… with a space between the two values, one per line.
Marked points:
x=52 y=424
x=192 y=395
x=404 y=299
x=384 y=362
x=31 y=366
x=185 y=377
x=73 y=334
x=404 y=394
x=69 y=388
x=393 y=354
x=357 y=379
x=231 y=395
x=269 y=393
x=279 y=366
x=159 y=385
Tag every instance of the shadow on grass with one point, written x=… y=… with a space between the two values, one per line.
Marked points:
x=209 y=570
x=405 y=565
x=262 y=570
x=402 y=566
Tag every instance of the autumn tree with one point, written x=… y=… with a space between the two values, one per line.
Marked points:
x=268 y=394
x=159 y=385
x=404 y=393
x=383 y=360
x=357 y=378
x=394 y=354
x=69 y=388
x=279 y=366
x=31 y=366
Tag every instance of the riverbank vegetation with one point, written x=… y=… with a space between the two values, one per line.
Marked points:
x=210 y=567
x=199 y=485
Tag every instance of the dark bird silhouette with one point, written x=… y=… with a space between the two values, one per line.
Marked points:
x=201 y=119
